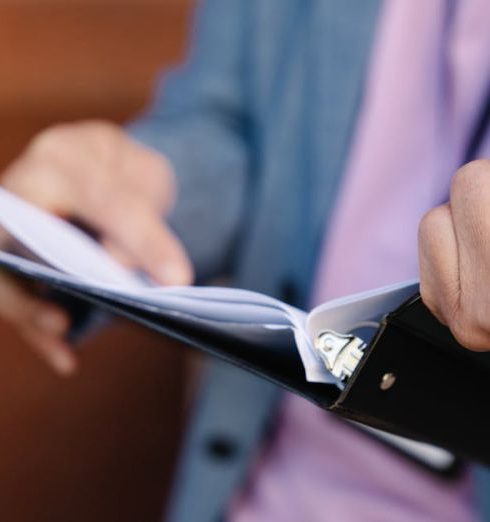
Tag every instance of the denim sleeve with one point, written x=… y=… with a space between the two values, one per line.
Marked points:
x=197 y=120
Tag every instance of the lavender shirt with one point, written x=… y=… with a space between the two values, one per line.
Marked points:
x=428 y=78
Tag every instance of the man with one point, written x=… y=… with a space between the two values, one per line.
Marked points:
x=305 y=140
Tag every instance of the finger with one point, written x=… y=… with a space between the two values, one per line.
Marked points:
x=144 y=238
x=156 y=249
x=131 y=225
x=112 y=158
x=42 y=183
x=20 y=307
x=438 y=260
x=52 y=349
x=470 y=200
x=41 y=324
x=121 y=256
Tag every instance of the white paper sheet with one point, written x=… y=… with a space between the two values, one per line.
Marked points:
x=79 y=262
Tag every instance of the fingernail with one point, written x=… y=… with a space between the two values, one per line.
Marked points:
x=50 y=321
x=174 y=274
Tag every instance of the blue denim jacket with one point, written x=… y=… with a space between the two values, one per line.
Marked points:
x=257 y=125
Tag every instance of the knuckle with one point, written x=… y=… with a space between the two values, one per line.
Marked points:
x=101 y=132
x=43 y=167
x=426 y=224
x=431 y=223
x=476 y=167
x=14 y=177
x=469 y=178
x=62 y=139
x=50 y=141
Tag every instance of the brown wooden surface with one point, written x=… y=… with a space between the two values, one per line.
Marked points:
x=101 y=446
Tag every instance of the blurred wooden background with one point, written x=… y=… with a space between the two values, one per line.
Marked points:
x=101 y=446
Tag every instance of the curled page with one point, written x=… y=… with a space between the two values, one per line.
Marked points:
x=77 y=261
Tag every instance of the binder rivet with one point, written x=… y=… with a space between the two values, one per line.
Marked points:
x=387 y=381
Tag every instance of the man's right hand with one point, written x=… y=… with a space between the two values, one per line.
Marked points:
x=94 y=173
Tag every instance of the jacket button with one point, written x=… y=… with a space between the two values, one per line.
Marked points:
x=221 y=448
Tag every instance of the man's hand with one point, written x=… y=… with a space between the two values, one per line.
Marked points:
x=454 y=251
x=93 y=173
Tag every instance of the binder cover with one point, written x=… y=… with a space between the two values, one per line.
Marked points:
x=438 y=394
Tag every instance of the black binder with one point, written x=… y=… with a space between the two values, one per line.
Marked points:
x=414 y=379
